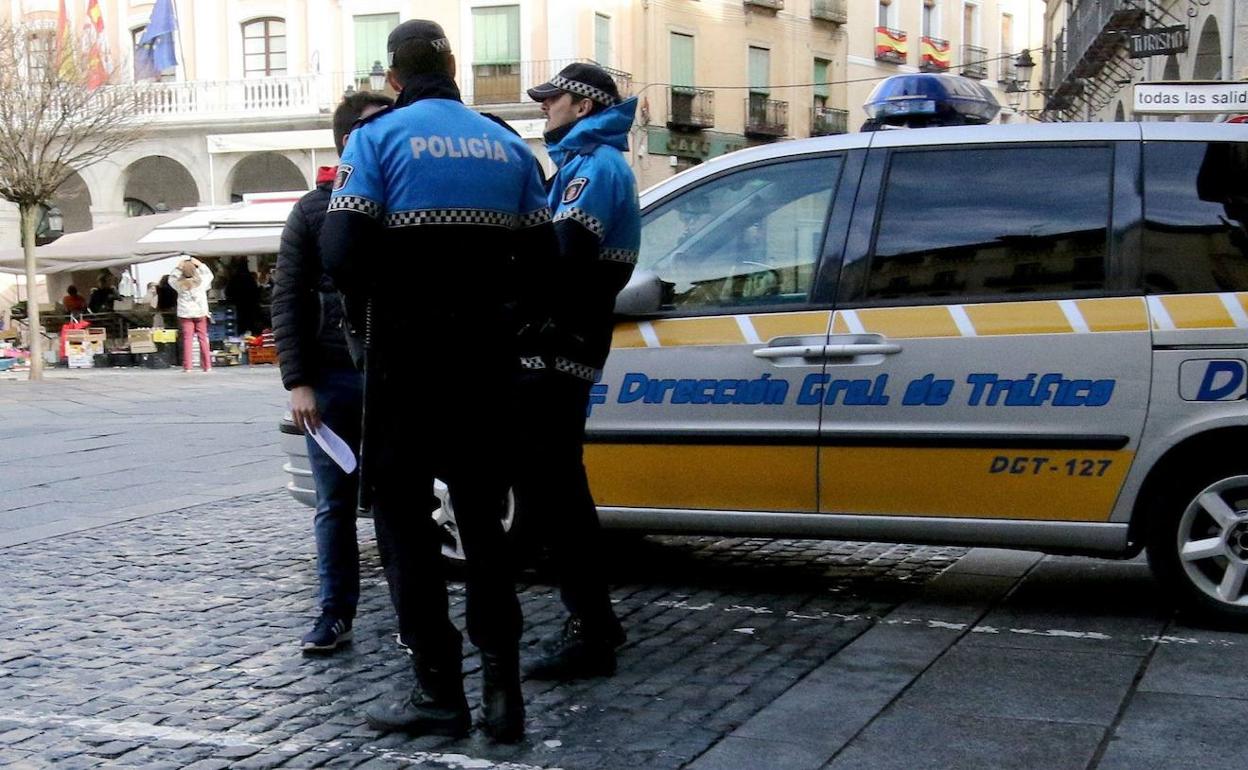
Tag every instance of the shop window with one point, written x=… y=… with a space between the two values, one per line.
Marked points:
x=750 y=238
x=1196 y=217
x=947 y=225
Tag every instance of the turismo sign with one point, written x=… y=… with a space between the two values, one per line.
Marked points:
x=1158 y=41
x=1177 y=97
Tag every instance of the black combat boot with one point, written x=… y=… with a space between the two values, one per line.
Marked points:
x=502 y=702
x=579 y=651
x=435 y=706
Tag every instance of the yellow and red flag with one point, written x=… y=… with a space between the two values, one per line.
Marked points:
x=93 y=27
x=890 y=44
x=66 y=49
x=934 y=53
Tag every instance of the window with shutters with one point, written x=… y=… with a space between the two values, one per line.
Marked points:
x=602 y=39
x=371 y=31
x=496 y=54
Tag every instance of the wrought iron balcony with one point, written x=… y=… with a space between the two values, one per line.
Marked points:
x=974 y=62
x=690 y=108
x=766 y=117
x=825 y=121
x=835 y=11
x=775 y=5
x=1092 y=35
x=933 y=54
x=890 y=45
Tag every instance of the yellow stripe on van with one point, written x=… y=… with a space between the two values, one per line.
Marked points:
x=761 y=478
x=771 y=325
x=716 y=330
x=962 y=483
x=1117 y=314
x=1197 y=311
x=627 y=335
x=903 y=322
x=1018 y=318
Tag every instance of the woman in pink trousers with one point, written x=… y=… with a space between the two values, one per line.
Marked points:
x=192 y=279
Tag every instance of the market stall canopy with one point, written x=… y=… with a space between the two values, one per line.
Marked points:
x=252 y=227
x=102 y=247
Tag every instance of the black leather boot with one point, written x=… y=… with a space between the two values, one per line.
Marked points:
x=578 y=652
x=502 y=702
x=435 y=706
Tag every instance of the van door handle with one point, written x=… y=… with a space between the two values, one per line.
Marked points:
x=850 y=350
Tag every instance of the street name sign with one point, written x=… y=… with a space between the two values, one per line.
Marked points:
x=1191 y=97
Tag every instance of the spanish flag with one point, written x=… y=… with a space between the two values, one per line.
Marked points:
x=66 y=47
x=93 y=27
x=890 y=44
x=935 y=53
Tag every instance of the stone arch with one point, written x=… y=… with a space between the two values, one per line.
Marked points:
x=73 y=198
x=1171 y=70
x=1208 y=52
x=158 y=180
x=265 y=172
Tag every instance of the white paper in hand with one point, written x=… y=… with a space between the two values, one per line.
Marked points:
x=334 y=446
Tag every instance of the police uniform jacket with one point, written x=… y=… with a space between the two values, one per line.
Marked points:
x=594 y=207
x=439 y=215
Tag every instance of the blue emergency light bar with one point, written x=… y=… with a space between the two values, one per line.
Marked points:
x=929 y=99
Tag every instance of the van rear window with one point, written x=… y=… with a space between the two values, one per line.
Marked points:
x=1196 y=217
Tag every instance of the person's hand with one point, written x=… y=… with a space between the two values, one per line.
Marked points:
x=303 y=408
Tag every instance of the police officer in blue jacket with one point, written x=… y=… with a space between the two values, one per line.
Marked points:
x=435 y=197
x=593 y=202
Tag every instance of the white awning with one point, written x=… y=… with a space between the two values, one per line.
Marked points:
x=271 y=141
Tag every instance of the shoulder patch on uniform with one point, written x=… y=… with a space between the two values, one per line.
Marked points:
x=574 y=189
x=344 y=173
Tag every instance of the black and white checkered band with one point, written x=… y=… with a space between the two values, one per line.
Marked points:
x=576 y=370
x=590 y=222
x=627 y=256
x=355 y=203
x=583 y=89
x=532 y=362
x=441 y=44
x=480 y=217
x=535 y=218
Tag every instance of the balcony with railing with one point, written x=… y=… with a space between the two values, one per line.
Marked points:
x=690 y=108
x=766 y=117
x=933 y=54
x=835 y=11
x=225 y=100
x=1092 y=36
x=825 y=121
x=774 y=5
x=508 y=83
x=974 y=61
x=890 y=45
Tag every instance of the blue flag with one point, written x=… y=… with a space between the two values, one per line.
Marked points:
x=155 y=51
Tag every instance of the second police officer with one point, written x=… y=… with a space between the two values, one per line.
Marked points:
x=434 y=196
x=593 y=203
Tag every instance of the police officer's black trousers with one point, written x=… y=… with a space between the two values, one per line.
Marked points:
x=453 y=426
x=553 y=492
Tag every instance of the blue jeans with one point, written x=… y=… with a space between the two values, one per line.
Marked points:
x=339 y=396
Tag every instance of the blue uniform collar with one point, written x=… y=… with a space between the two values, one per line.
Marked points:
x=609 y=127
x=428 y=86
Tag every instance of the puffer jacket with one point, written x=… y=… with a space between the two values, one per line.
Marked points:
x=307 y=310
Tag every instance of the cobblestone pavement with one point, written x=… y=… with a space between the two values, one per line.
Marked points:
x=170 y=641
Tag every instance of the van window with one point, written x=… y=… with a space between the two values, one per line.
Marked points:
x=749 y=238
x=983 y=222
x=1196 y=217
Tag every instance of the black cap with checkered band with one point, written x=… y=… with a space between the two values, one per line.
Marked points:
x=417 y=31
x=588 y=80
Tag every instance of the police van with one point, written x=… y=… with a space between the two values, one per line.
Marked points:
x=1025 y=336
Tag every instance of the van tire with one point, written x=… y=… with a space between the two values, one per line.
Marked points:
x=1205 y=514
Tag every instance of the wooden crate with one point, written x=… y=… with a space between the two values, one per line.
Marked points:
x=261 y=355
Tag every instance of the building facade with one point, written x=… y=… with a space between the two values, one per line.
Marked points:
x=1091 y=61
x=247 y=107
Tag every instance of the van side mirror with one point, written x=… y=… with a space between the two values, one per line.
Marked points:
x=641 y=295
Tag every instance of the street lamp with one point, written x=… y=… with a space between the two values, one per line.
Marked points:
x=377 y=77
x=56 y=222
x=348 y=91
x=161 y=207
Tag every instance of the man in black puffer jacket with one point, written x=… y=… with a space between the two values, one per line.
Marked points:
x=324 y=385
